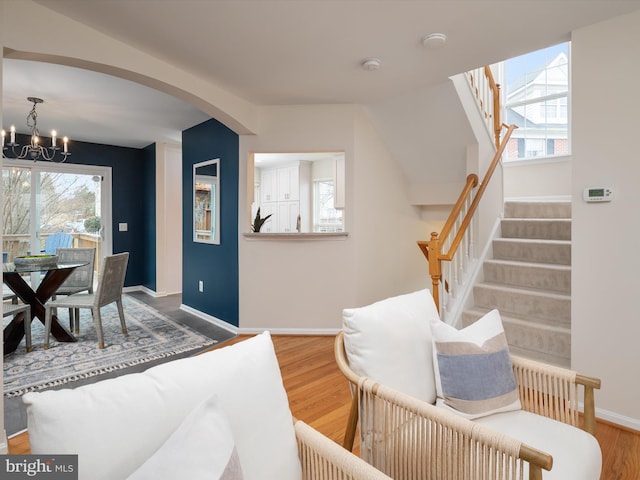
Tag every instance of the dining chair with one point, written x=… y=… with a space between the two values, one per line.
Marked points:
x=16 y=308
x=80 y=280
x=109 y=290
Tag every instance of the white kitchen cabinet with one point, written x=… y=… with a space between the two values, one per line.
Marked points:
x=285 y=193
x=288 y=216
x=268 y=186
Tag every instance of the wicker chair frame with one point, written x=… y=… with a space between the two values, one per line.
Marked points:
x=410 y=439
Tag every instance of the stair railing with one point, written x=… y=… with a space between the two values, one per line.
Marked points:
x=487 y=93
x=454 y=244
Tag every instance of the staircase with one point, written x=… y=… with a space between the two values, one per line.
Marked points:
x=529 y=281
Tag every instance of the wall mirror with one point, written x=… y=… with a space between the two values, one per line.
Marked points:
x=206 y=202
x=297 y=192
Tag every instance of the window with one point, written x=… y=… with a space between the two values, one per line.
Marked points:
x=326 y=219
x=536 y=99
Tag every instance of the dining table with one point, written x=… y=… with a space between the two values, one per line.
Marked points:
x=54 y=275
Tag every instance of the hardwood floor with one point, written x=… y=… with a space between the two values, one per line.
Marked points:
x=319 y=395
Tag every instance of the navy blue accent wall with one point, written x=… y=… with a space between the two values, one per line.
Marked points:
x=133 y=176
x=215 y=265
x=150 y=217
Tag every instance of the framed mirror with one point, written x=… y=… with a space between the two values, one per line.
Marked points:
x=206 y=202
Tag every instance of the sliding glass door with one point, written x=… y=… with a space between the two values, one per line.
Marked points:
x=45 y=198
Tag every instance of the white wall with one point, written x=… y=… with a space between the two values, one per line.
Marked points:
x=303 y=285
x=386 y=227
x=538 y=178
x=606 y=263
x=168 y=219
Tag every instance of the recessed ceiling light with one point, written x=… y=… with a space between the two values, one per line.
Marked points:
x=434 y=40
x=371 y=64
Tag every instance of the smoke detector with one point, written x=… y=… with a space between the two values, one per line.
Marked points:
x=434 y=40
x=371 y=64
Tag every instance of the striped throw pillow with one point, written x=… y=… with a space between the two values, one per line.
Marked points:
x=474 y=375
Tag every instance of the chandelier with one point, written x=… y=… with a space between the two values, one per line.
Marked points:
x=34 y=150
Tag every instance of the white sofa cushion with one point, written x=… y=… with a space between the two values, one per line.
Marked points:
x=202 y=448
x=116 y=425
x=576 y=453
x=390 y=342
x=474 y=374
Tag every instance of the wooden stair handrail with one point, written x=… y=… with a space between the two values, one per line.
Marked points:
x=432 y=248
x=467 y=190
x=478 y=196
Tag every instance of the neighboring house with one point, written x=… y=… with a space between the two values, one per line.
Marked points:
x=303 y=286
x=539 y=106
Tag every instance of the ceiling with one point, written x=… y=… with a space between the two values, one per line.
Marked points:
x=280 y=53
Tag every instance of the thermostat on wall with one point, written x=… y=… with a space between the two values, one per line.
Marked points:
x=598 y=194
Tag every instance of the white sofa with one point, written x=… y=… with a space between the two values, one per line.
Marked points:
x=223 y=414
x=393 y=352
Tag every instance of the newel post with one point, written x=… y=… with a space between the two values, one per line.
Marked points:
x=435 y=269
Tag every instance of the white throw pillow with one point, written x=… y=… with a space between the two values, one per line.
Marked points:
x=202 y=448
x=116 y=425
x=390 y=342
x=474 y=374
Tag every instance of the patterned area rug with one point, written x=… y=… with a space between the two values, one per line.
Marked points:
x=152 y=335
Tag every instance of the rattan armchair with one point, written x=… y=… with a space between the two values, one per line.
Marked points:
x=410 y=438
x=323 y=459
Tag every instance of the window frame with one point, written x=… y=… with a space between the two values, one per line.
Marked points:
x=550 y=130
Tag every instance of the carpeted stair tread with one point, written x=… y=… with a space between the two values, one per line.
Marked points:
x=537 y=228
x=545 y=306
x=544 y=357
x=538 y=250
x=542 y=276
x=540 y=209
x=550 y=343
x=528 y=279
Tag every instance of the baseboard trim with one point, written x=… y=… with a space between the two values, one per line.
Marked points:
x=542 y=199
x=141 y=288
x=618 y=420
x=290 y=331
x=210 y=318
